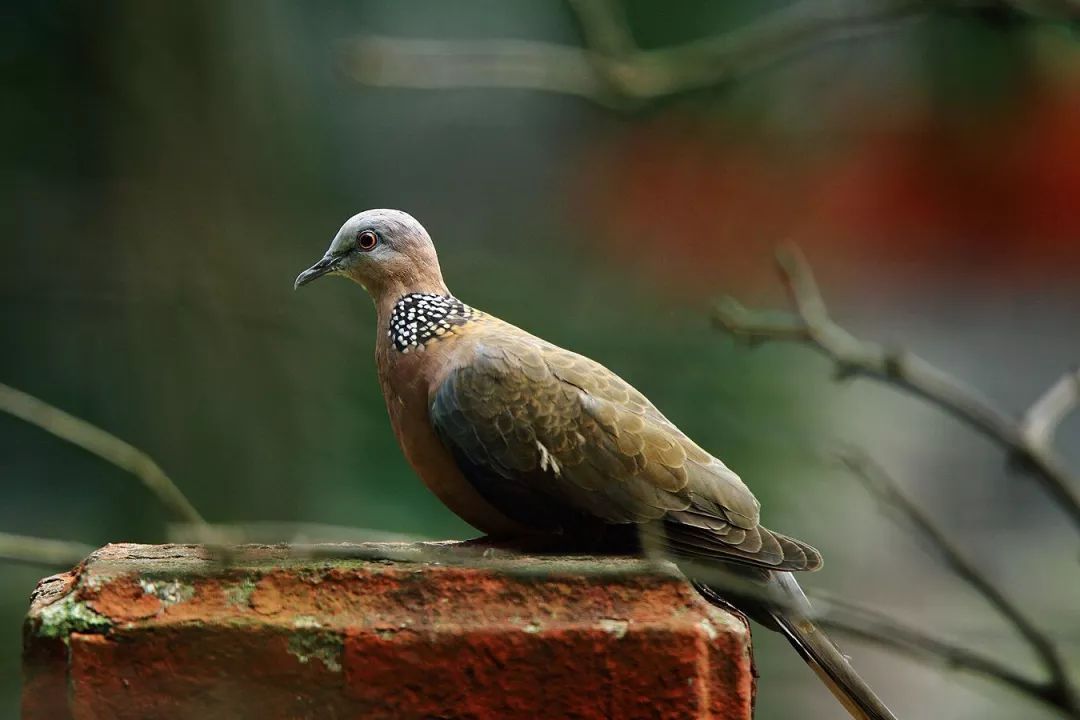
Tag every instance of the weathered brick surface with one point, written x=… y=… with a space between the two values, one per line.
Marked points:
x=377 y=631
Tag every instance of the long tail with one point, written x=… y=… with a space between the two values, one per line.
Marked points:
x=791 y=616
x=822 y=654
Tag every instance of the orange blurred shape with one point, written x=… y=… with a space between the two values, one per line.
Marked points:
x=995 y=198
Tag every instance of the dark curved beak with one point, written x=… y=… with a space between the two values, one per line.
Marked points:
x=327 y=265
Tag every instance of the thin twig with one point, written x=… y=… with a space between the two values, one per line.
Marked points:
x=41 y=551
x=106 y=446
x=901 y=369
x=888 y=492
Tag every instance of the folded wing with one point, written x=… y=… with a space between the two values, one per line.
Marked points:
x=553 y=438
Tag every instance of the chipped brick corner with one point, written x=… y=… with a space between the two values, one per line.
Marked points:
x=377 y=631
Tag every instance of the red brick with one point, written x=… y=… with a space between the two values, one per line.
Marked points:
x=44 y=659
x=167 y=631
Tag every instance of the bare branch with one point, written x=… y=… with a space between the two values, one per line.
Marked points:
x=42 y=551
x=442 y=64
x=855 y=620
x=1045 y=414
x=611 y=69
x=604 y=26
x=811 y=324
x=873 y=627
x=106 y=446
x=888 y=492
x=903 y=370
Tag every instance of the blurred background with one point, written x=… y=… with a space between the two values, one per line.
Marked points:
x=169 y=167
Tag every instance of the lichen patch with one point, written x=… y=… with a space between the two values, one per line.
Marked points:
x=169 y=592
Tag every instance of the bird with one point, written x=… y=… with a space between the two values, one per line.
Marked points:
x=525 y=440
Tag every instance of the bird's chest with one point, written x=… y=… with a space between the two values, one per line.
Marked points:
x=406 y=388
x=406 y=395
x=407 y=380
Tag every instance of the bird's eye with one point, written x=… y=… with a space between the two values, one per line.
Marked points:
x=367 y=240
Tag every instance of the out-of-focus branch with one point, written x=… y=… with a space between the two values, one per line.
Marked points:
x=1045 y=414
x=612 y=70
x=441 y=64
x=604 y=26
x=106 y=446
x=41 y=551
x=888 y=492
x=293 y=533
x=1027 y=439
x=855 y=620
x=863 y=623
x=854 y=357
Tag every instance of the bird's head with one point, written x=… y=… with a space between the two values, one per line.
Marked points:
x=384 y=251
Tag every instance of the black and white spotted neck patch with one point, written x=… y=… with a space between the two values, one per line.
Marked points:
x=420 y=317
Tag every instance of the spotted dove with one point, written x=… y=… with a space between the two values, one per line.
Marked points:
x=522 y=438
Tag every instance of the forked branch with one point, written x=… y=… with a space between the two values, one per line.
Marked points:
x=1025 y=440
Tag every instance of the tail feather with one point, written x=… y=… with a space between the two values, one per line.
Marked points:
x=791 y=615
x=822 y=654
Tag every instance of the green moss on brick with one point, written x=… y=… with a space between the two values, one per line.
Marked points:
x=69 y=615
x=325 y=646
x=240 y=593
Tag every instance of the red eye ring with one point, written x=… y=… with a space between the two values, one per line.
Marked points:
x=367 y=240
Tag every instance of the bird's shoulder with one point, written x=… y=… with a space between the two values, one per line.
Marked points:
x=505 y=351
